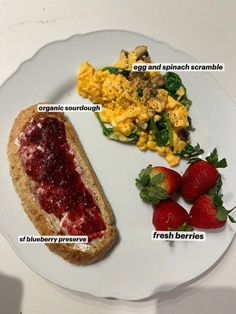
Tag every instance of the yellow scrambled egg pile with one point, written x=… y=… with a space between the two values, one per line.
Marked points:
x=132 y=99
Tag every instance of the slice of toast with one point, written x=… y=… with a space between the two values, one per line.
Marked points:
x=48 y=223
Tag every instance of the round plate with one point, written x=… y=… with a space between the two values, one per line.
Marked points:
x=137 y=267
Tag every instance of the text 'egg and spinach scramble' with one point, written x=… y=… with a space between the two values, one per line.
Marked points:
x=145 y=108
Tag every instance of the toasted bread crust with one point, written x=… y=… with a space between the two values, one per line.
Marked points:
x=47 y=224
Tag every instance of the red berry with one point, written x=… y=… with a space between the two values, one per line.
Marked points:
x=198 y=178
x=172 y=181
x=169 y=214
x=203 y=214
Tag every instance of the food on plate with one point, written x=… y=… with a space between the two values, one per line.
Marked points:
x=169 y=215
x=201 y=183
x=145 y=108
x=206 y=213
x=201 y=175
x=157 y=183
x=57 y=186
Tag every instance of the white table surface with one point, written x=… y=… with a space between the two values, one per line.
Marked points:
x=204 y=29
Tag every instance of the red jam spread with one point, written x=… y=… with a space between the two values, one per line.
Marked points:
x=59 y=189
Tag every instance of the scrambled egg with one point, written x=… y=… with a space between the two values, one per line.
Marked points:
x=132 y=99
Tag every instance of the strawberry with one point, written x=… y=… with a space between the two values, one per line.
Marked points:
x=172 y=181
x=169 y=215
x=157 y=183
x=208 y=212
x=200 y=176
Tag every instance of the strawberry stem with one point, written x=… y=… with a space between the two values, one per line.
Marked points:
x=183 y=227
x=214 y=160
x=150 y=189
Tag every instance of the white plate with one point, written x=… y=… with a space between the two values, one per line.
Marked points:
x=137 y=267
